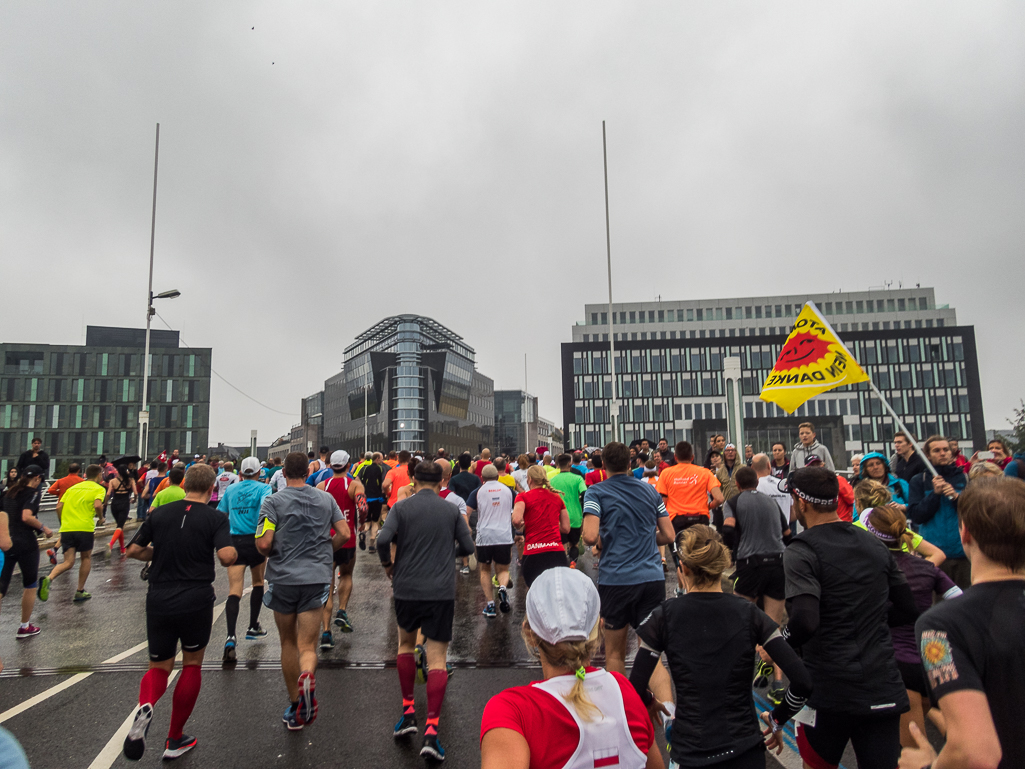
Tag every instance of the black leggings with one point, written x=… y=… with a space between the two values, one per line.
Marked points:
x=534 y=565
x=26 y=555
x=120 y=507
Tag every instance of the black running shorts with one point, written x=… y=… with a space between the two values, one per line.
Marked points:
x=344 y=556
x=762 y=579
x=500 y=554
x=26 y=555
x=681 y=522
x=537 y=563
x=573 y=538
x=623 y=605
x=913 y=676
x=81 y=541
x=433 y=618
x=245 y=546
x=875 y=739
x=295 y=599
x=374 y=511
x=120 y=507
x=164 y=631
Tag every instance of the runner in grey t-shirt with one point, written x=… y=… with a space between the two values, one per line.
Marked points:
x=294 y=533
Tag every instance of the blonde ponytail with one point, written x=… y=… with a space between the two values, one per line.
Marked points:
x=569 y=655
x=537 y=474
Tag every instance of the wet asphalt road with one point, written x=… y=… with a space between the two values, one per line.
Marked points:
x=96 y=649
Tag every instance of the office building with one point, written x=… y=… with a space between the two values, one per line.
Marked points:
x=84 y=400
x=516 y=422
x=670 y=358
x=409 y=383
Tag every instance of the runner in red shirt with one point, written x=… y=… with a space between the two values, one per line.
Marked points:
x=598 y=474
x=348 y=493
x=484 y=461
x=558 y=722
x=542 y=517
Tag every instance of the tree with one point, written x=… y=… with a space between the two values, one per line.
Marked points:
x=1017 y=441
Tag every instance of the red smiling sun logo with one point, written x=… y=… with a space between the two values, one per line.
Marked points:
x=802 y=350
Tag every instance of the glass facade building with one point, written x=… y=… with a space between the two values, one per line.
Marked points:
x=84 y=400
x=410 y=383
x=670 y=383
x=516 y=422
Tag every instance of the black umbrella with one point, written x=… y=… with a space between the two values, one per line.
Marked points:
x=127 y=460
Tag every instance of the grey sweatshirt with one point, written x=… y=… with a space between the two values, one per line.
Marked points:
x=799 y=456
x=423 y=528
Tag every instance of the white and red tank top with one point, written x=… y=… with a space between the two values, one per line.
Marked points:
x=339 y=489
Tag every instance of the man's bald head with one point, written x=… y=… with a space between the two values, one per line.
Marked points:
x=760 y=464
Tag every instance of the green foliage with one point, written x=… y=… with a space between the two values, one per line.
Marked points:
x=62 y=468
x=1017 y=442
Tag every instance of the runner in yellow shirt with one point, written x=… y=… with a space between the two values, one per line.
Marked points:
x=77 y=511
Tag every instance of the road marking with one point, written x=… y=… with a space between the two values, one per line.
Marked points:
x=79 y=677
x=43 y=696
x=108 y=755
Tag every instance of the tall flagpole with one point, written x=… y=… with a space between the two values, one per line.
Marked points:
x=614 y=411
x=901 y=425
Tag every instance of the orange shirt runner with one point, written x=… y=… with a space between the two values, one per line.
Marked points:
x=686 y=487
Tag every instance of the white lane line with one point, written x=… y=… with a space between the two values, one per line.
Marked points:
x=79 y=677
x=43 y=696
x=108 y=755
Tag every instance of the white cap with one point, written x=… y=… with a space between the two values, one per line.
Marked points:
x=563 y=605
x=339 y=459
x=250 y=466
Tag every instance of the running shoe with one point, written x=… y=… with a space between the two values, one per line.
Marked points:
x=306 y=713
x=229 y=650
x=464 y=570
x=52 y=554
x=503 y=600
x=432 y=748
x=327 y=641
x=420 y=655
x=290 y=719
x=762 y=674
x=342 y=621
x=494 y=580
x=144 y=574
x=372 y=547
x=176 y=748
x=81 y=595
x=406 y=725
x=362 y=540
x=255 y=632
x=680 y=592
x=669 y=736
x=135 y=742
x=123 y=551
x=489 y=610
x=44 y=589
x=449 y=669
x=776 y=692
x=27 y=632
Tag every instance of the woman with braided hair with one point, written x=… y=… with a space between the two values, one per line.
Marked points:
x=579 y=716
x=709 y=639
x=890 y=526
x=542 y=517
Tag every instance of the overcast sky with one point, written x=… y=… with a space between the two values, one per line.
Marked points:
x=321 y=169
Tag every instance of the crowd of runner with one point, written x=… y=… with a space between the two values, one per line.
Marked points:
x=865 y=602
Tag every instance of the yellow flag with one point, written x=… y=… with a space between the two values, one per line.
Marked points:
x=812 y=361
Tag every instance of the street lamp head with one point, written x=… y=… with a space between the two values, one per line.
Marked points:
x=173 y=293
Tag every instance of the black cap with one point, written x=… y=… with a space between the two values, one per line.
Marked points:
x=32 y=471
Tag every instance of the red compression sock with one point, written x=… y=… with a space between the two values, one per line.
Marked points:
x=406 y=665
x=437 y=680
x=152 y=686
x=185 y=693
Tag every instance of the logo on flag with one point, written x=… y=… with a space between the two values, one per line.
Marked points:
x=812 y=361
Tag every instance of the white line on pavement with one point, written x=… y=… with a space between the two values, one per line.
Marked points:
x=115 y=744
x=43 y=696
x=79 y=677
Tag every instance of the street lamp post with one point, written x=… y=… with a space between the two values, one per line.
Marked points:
x=150 y=312
x=366 y=439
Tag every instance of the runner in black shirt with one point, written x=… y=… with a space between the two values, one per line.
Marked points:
x=179 y=539
x=21 y=503
x=972 y=647
x=709 y=639
x=372 y=476
x=840 y=579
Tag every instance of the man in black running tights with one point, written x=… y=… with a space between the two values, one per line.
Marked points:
x=841 y=583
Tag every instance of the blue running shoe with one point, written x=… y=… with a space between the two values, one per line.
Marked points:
x=291 y=718
x=432 y=748
x=406 y=725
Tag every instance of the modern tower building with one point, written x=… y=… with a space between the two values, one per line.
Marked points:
x=516 y=422
x=409 y=383
x=671 y=355
x=84 y=400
